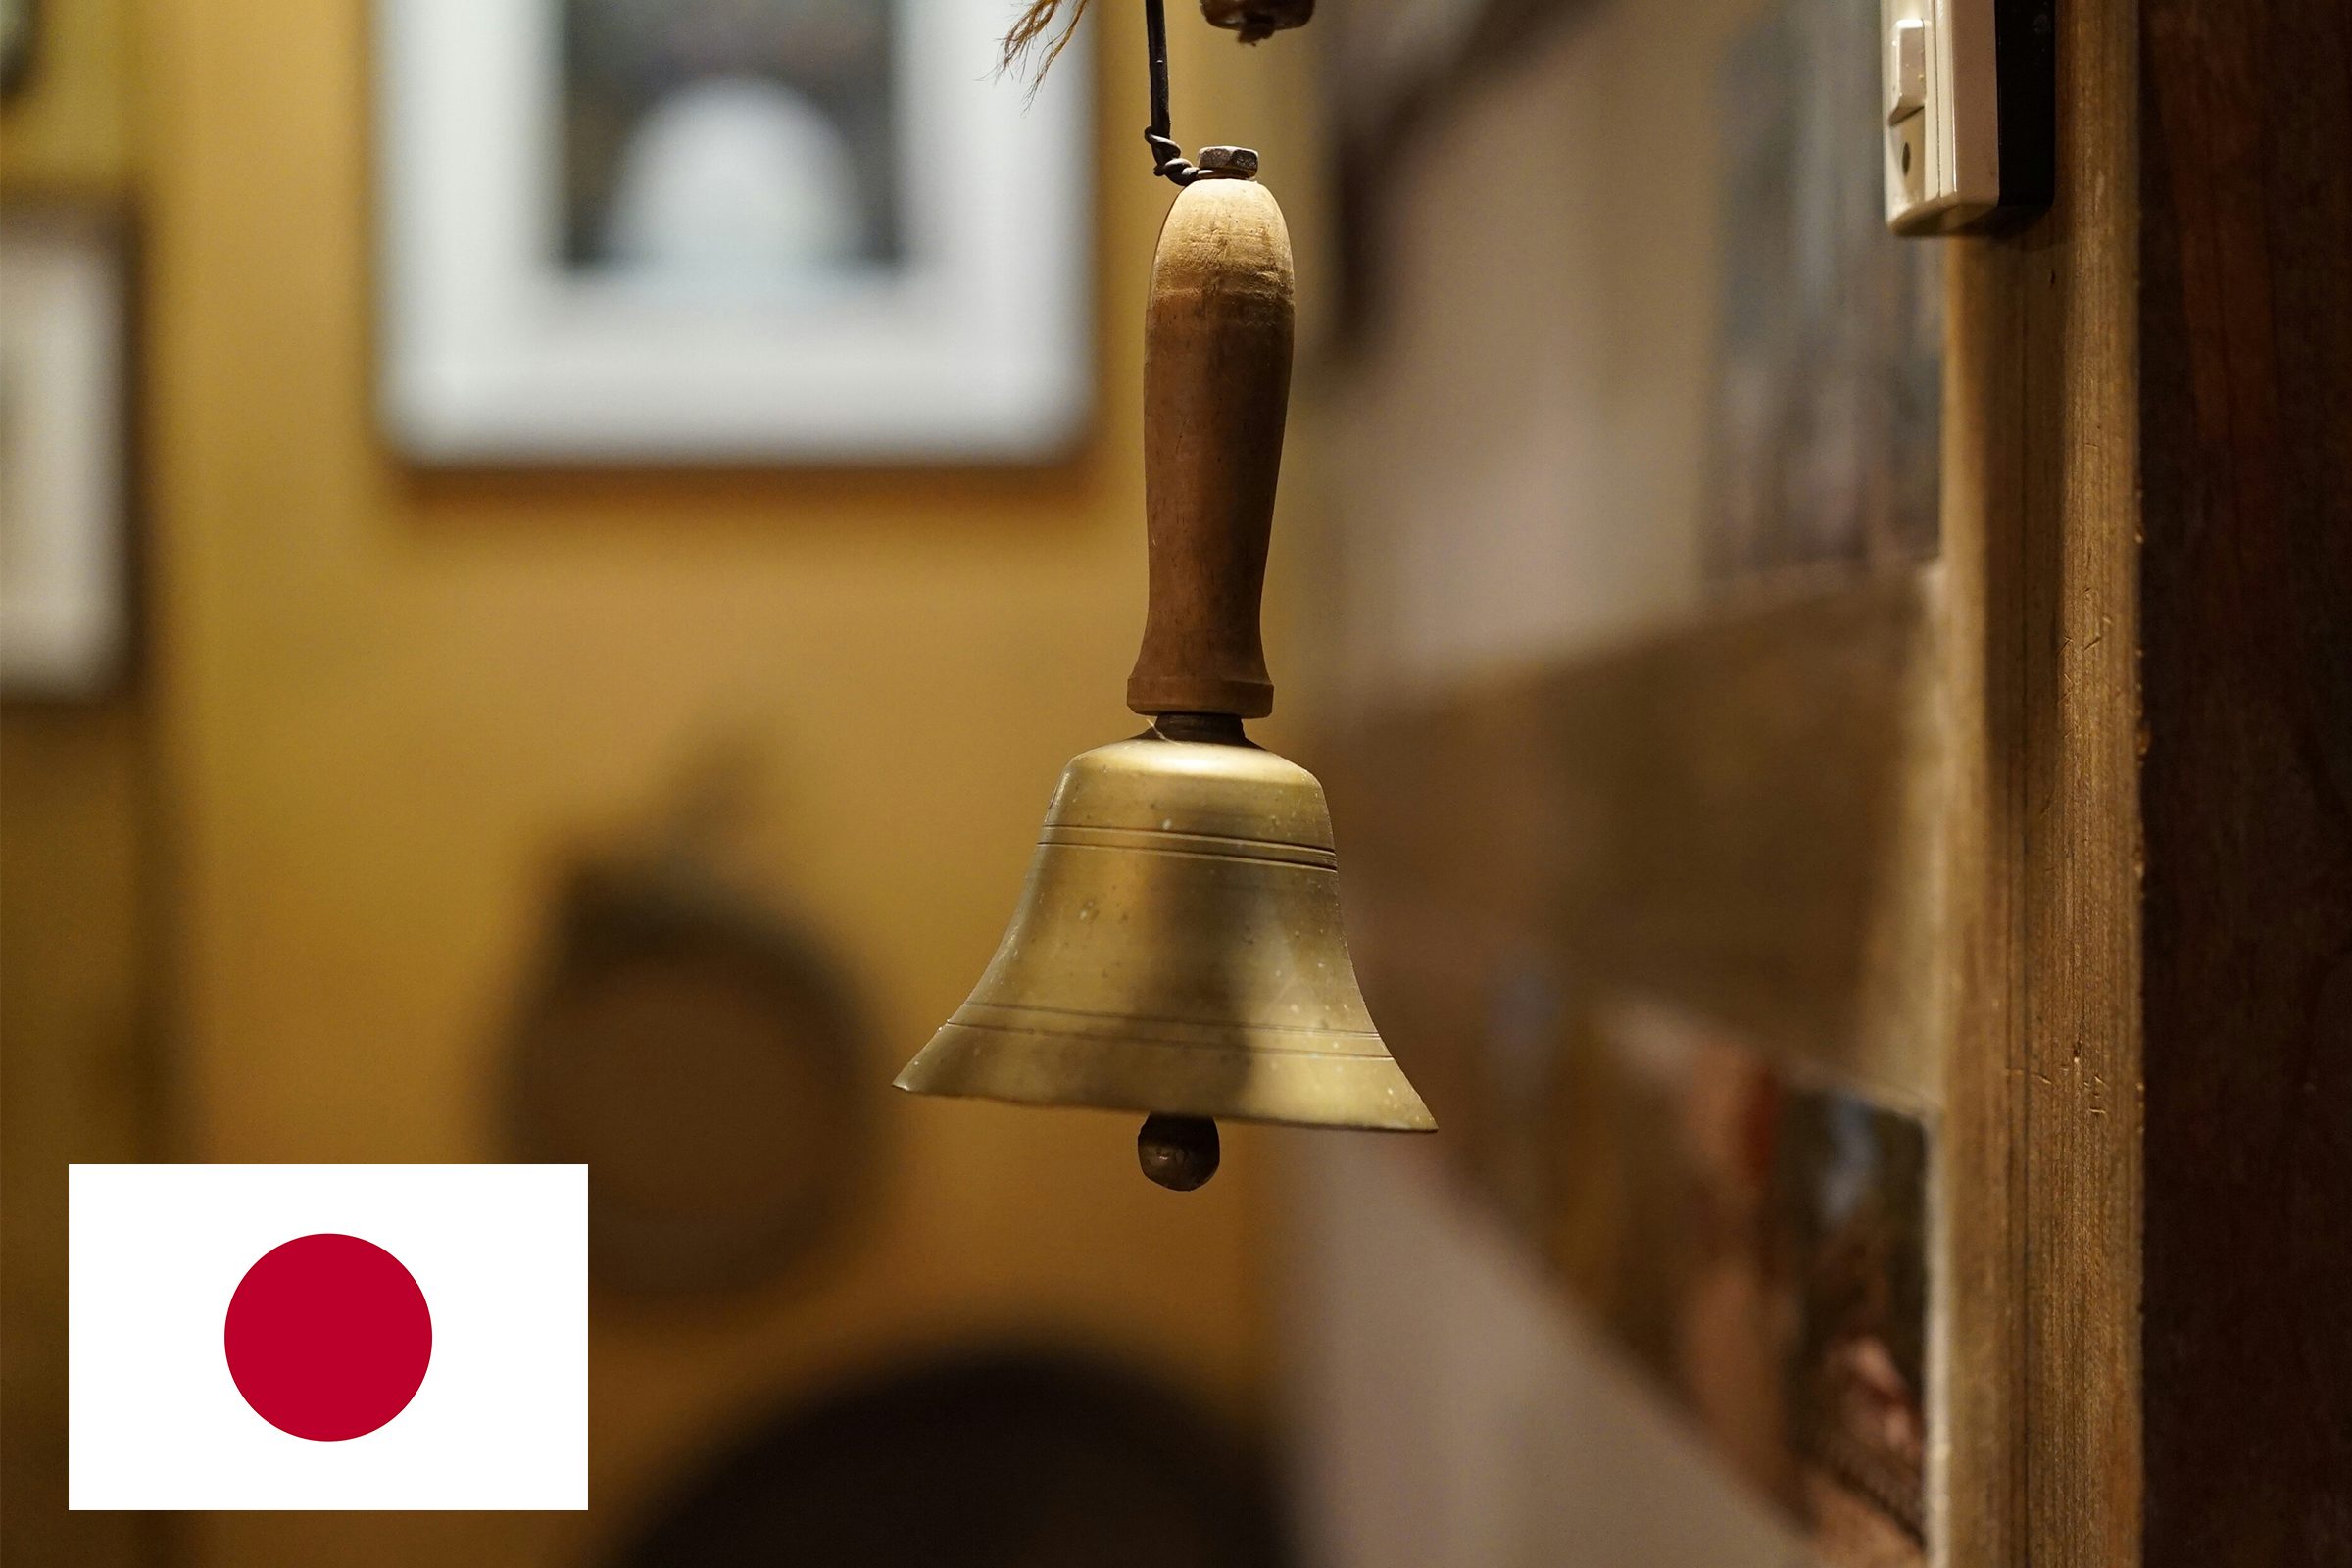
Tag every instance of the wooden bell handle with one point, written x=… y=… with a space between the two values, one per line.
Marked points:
x=1217 y=387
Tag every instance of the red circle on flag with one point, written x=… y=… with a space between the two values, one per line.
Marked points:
x=328 y=1337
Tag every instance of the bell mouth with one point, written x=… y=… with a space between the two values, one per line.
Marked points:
x=1152 y=1068
x=1178 y=950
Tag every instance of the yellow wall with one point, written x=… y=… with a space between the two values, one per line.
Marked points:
x=389 y=702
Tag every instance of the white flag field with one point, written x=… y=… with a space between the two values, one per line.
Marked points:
x=328 y=1337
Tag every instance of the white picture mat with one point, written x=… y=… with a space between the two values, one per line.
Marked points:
x=155 y=1420
x=62 y=616
x=974 y=347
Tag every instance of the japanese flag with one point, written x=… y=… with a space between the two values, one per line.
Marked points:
x=328 y=1337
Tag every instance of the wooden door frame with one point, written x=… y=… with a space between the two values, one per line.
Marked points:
x=2148 y=537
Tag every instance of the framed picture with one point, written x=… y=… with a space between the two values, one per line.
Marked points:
x=728 y=231
x=1828 y=378
x=63 y=617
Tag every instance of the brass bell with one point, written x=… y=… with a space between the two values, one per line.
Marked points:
x=1177 y=950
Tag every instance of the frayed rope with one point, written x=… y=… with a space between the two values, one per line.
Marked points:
x=1035 y=40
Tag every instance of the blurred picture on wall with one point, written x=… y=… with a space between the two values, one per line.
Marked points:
x=1756 y=1236
x=64 y=454
x=726 y=231
x=1829 y=364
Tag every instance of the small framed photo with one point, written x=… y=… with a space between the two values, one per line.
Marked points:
x=704 y=231
x=64 y=454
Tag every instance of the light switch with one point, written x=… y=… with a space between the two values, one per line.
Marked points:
x=1907 y=68
x=1968 y=87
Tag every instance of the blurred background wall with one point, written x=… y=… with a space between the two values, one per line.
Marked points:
x=1596 y=598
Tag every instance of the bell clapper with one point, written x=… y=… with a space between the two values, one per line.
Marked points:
x=1178 y=1153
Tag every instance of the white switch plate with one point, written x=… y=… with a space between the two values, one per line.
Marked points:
x=1968 y=111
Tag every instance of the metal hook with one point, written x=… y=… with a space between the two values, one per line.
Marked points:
x=1167 y=158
